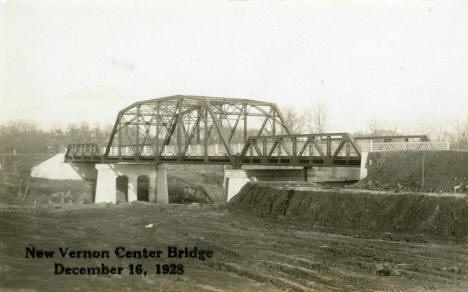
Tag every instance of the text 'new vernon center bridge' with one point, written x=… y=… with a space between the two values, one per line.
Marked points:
x=195 y=129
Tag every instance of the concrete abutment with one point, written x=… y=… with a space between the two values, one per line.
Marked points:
x=235 y=179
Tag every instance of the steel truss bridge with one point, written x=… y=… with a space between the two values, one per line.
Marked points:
x=195 y=129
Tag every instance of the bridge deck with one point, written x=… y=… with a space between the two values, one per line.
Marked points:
x=277 y=160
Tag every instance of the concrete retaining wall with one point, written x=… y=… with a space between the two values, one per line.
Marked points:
x=55 y=168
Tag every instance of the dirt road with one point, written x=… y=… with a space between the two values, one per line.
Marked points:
x=249 y=253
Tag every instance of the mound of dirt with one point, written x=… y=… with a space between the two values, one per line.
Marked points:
x=76 y=191
x=428 y=171
x=183 y=192
x=431 y=214
x=195 y=184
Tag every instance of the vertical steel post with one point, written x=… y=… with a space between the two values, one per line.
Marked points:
x=156 y=142
x=198 y=128
x=245 y=123
x=220 y=130
x=348 y=152
x=280 y=143
x=294 y=149
x=205 y=136
x=179 y=135
x=274 y=123
x=138 y=133
x=311 y=150
x=120 y=140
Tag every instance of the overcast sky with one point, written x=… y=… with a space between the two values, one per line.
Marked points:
x=397 y=61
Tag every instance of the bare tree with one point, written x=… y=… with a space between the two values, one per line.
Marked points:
x=460 y=138
x=378 y=128
x=394 y=127
x=441 y=133
x=296 y=120
x=374 y=126
x=319 y=118
x=460 y=127
x=425 y=127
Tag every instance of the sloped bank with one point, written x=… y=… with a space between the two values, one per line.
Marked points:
x=438 y=215
x=425 y=171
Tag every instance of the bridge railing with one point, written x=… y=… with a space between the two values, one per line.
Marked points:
x=371 y=146
x=216 y=150
x=338 y=148
x=311 y=149
x=88 y=151
x=393 y=138
x=399 y=143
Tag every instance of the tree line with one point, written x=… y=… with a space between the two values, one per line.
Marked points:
x=317 y=119
x=26 y=137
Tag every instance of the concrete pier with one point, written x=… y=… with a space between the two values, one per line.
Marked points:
x=363 y=173
x=154 y=176
x=161 y=185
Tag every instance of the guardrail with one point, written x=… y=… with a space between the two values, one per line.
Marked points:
x=83 y=152
x=394 y=138
x=403 y=146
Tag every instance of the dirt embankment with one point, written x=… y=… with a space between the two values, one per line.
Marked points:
x=428 y=171
x=416 y=213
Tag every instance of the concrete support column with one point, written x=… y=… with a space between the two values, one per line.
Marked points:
x=161 y=184
x=153 y=176
x=234 y=180
x=105 y=184
x=132 y=187
x=363 y=173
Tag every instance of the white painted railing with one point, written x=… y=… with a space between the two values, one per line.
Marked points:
x=403 y=146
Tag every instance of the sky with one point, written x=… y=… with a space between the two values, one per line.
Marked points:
x=401 y=62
